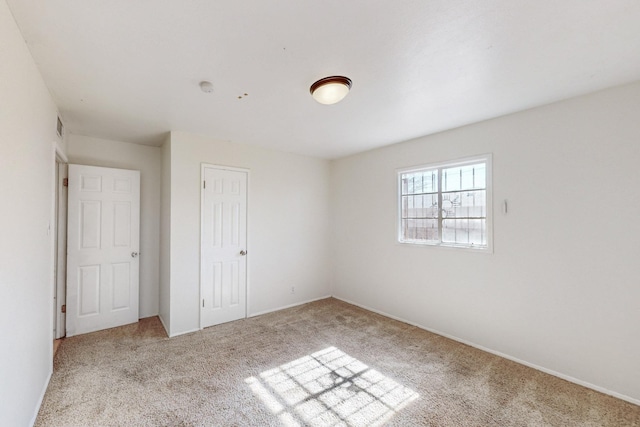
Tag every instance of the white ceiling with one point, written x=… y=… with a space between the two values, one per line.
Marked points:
x=129 y=70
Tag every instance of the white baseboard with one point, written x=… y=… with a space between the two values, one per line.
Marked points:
x=166 y=330
x=249 y=315
x=190 y=331
x=42 y=393
x=148 y=316
x=287 y=306
x=503 y=355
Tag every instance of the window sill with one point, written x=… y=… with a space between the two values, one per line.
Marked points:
x=445 y=246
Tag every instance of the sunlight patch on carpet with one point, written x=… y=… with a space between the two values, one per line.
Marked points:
x=330 y=388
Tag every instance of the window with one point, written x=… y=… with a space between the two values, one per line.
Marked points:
x=446 y=204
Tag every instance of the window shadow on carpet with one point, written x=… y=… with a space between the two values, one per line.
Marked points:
x=330 y=388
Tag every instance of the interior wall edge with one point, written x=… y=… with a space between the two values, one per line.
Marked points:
x=164 y=325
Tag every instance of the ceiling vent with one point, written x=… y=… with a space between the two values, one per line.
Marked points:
x=60 y=128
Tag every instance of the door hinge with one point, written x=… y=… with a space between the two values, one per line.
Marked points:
x=203 y=303
x=63 y=309
x=65 y=182
x=204 y=184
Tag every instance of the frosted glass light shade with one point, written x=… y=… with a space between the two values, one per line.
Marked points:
x=330 y=89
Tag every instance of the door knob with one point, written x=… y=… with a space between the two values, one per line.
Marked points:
x=243 y=252
x=134 y=254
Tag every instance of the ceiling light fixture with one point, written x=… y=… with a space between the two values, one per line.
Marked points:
x=330 y=89
x=206 y=87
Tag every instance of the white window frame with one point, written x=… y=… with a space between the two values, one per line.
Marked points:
x=487 y=159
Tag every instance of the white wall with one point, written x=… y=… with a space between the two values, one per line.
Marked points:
x=85 y=150
x=27 y=133
x=288 y=225
x=165 y=236
x=561 y=290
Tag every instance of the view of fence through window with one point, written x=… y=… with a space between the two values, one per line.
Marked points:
x=445 y=205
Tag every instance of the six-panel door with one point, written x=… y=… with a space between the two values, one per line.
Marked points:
x=223 y=260
x=103 y=243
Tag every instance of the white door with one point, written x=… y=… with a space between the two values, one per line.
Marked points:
x=102 y=248
x=223 y=260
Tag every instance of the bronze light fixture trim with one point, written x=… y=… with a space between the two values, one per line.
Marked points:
x=330 y=90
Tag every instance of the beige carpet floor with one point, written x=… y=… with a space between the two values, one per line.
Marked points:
x=321 y=364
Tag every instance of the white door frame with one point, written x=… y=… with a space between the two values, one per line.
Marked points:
x=59 y=237
x=247 y=287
